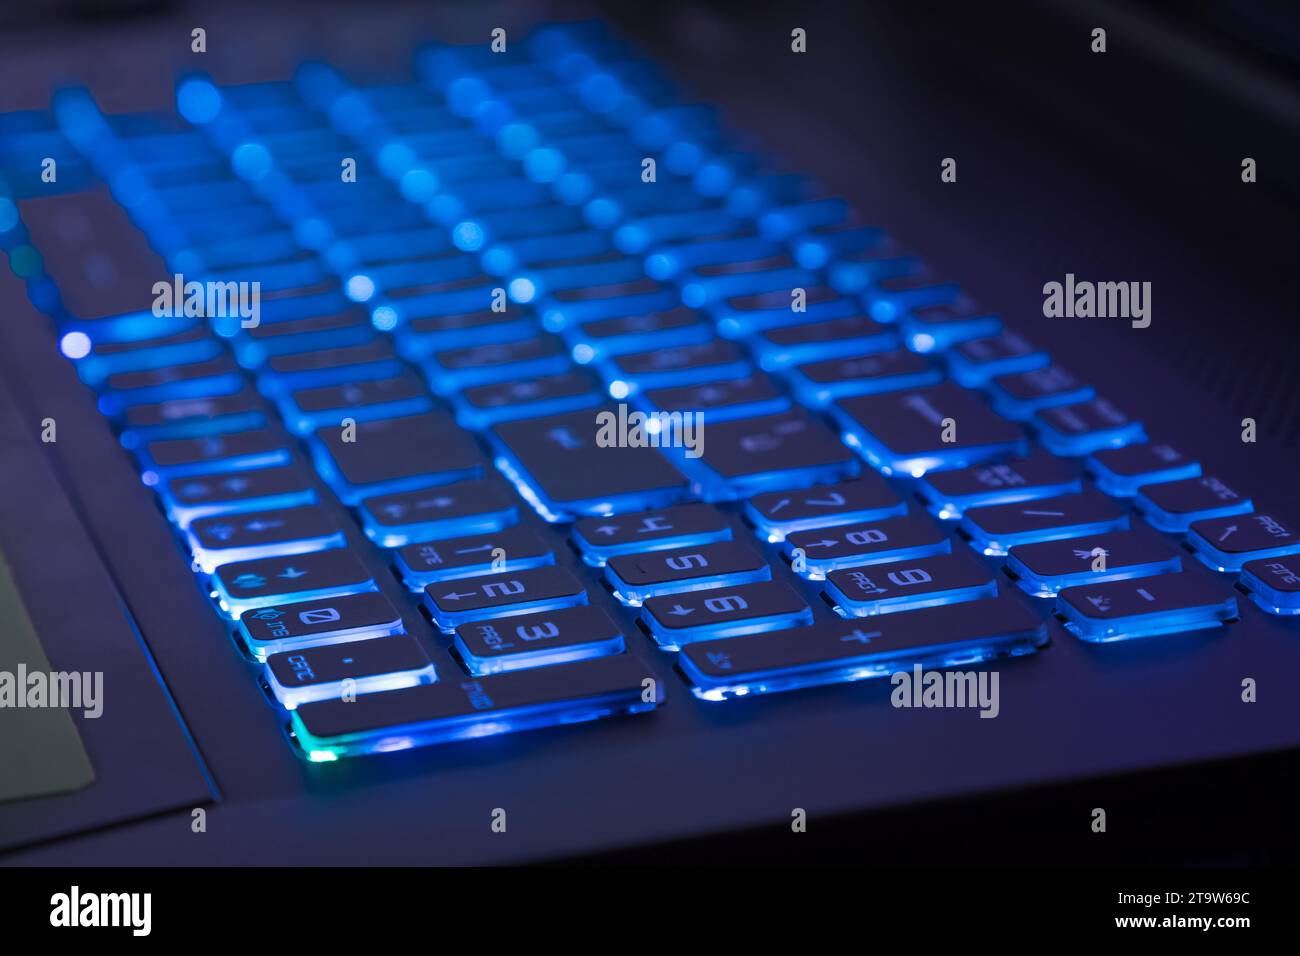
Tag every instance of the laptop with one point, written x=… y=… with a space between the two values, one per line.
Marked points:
x=476 y=436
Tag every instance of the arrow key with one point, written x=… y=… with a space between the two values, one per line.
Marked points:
x=261 y=534
x=678 y=619
x=510 y=549
x=457 y=602
x=817 y=552
x=777 y=513
x=678 y=526
x=1225 y=544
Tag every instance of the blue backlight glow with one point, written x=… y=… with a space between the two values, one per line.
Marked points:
x=198 y=101
x=75 y=345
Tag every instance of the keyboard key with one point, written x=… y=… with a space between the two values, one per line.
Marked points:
x=351 y=363
x=902 y=433
x=907 y=585
x=336 y=620
x=470 y=709
x=786 y=450
x=1086 y=428
x=1174 y=505
x=675 y=620
x=179 y=347
x=241 y=585
x=484 y=405
x=994 y=529
x=419 y=336
x=232 y=451
x=192 y=417
x=332 y=671
x=818 y=551
x=1144 y=607
x=720 y=401
x=638 y=332
x=1225 y=544
x=937 y=328
x=259 y=489
x=308 y=409
x=950 y=493
x=447 y=511
x=456 y=602
x=1274 y=583
x=600 y=539
x=223 y=538
x=1044 y=568
x=820 y=383
x=564 y=472
x=681 y=365
x=320 y=331
x=1021 y=394
x=537 y=640
x=891 y=298
x=816 y=341
x=395 y=454
x=855 y=271
x=778 y=513
x=746 y=315
x=510 y=549
x=635 y=577
x=833 y=652
x=455 y=369
x=214 y=376
x=976 y=362
x=1122 y=471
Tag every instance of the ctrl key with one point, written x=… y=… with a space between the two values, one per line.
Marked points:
x=338 y=620
x=840 y=651
x=479 y=707
x=337 y=670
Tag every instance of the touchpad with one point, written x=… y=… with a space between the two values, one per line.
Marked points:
x=40 y=749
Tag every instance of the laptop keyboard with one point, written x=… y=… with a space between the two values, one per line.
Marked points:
x=887 y=476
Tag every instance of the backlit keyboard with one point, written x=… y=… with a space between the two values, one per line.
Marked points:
x=465 y=277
